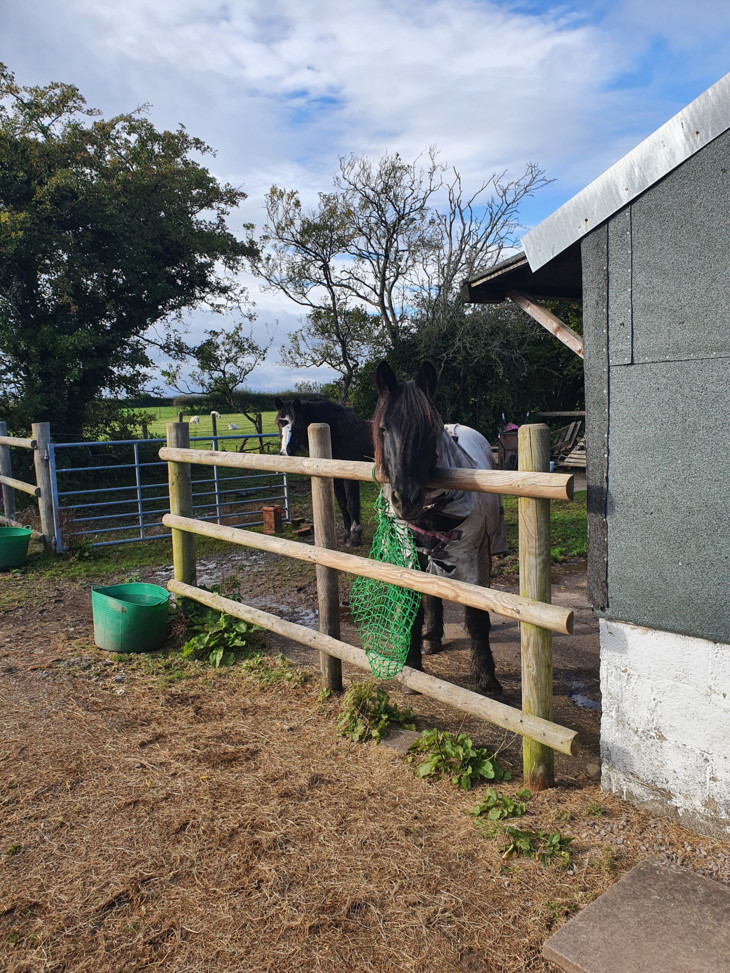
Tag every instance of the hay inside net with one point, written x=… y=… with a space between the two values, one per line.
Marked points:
x=384 y=613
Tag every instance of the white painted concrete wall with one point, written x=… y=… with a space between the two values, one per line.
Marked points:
x=665 y=730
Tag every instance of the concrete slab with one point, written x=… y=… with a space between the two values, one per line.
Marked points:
x=658 y=918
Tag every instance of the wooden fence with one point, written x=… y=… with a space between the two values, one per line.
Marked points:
x=41 y=489
x=532 y=608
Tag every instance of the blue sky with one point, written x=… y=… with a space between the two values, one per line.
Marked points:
x=283 y=88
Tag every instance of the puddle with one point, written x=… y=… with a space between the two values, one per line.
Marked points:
x=585 y=702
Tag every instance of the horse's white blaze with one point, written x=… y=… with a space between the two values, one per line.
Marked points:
x=285 y=438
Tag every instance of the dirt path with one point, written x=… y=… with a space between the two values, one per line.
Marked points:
x=212 y=821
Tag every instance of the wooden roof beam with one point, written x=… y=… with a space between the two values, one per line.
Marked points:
x=548 y=320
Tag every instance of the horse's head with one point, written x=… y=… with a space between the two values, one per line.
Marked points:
x=292 y=428
x=406 y=431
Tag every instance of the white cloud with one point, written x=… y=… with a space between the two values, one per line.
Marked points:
x=283 y=88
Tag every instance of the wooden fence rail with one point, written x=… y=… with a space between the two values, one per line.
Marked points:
x=553 y=736
x=549 y=486
x=531 y=607
x=41 y=489
x=552 y=617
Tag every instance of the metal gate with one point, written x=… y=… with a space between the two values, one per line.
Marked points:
x=125 y=491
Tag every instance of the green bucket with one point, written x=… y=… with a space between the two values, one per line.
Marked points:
x=13 y=546
x=130 y=617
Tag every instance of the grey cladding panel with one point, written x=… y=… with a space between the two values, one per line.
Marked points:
x=668 y=504
x=619 y=289
x=594 y=255
x=681 y=261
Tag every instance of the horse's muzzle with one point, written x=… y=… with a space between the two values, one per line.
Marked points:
x=408 y=504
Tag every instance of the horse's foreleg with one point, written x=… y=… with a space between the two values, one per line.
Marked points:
x=478 y=625
x=414 y=658
x=433 y=609
x=341 y=498
x=352 y=494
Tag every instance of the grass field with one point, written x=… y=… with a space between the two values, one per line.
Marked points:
x=168 y=413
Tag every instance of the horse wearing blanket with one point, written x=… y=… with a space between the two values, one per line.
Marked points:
x=455 y=532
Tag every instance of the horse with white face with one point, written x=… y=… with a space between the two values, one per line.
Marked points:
x=351 y=439
x=455 y=532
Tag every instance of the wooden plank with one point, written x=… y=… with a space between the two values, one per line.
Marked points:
x=553 y=617
x=325 y=535
x=549 y=321
x=42 y=462
x=31 y=488
x=553 y=486
x=181 y=503
x=515 y=721
x=535 y=582
x=15 y=441
x=6 y=469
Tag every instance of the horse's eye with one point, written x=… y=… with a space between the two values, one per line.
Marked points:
x=383 y=431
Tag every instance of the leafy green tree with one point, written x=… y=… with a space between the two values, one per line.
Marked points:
x=491 y=360
x=393 y=236
x=223 y=362
x=109 y=231
x=341 y=341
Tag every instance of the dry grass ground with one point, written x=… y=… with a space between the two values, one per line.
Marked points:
x=218 y=823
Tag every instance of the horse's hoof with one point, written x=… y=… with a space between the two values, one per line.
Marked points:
x=491 y=687
x=431 y=646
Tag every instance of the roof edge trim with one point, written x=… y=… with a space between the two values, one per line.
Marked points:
x=700 y=123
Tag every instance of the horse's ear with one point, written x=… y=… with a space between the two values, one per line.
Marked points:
x=279 y=403
x=295 y=403
x=426 y=378
x=385 y=380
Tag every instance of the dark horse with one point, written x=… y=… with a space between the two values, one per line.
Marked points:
x=351 y=437
x=455 y=532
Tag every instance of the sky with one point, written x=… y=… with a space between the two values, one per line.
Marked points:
x=282 y=89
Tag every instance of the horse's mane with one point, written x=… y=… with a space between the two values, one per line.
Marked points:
x=409 y=404
x=336 y=416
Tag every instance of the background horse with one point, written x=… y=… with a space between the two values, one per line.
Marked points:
x=352 y=439
x=455 y=532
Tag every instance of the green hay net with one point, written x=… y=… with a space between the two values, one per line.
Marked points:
x=384 y=613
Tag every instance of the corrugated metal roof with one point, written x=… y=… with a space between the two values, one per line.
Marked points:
x=702 y=121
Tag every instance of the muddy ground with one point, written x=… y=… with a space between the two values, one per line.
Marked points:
x=213 y=821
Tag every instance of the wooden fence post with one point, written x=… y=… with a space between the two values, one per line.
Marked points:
x=325 y=535
x=533 y=450
x=181 y=503
x=42 y=461
x=6 y=469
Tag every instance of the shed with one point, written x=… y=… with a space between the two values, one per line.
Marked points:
x=646 y=248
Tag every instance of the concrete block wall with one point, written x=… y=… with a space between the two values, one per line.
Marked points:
x=665 y=731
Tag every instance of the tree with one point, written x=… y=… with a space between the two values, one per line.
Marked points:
x=109 y=231
x=224 y=360
x=393 y=236
x=341 y=341
x=491 y=360
x=299 y=255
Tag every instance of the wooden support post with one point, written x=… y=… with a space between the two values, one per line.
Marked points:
x=533 y=445
x=325 y=535
x=6 y=469
x=181 y=499
x=42 y=461
x=549 y=321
